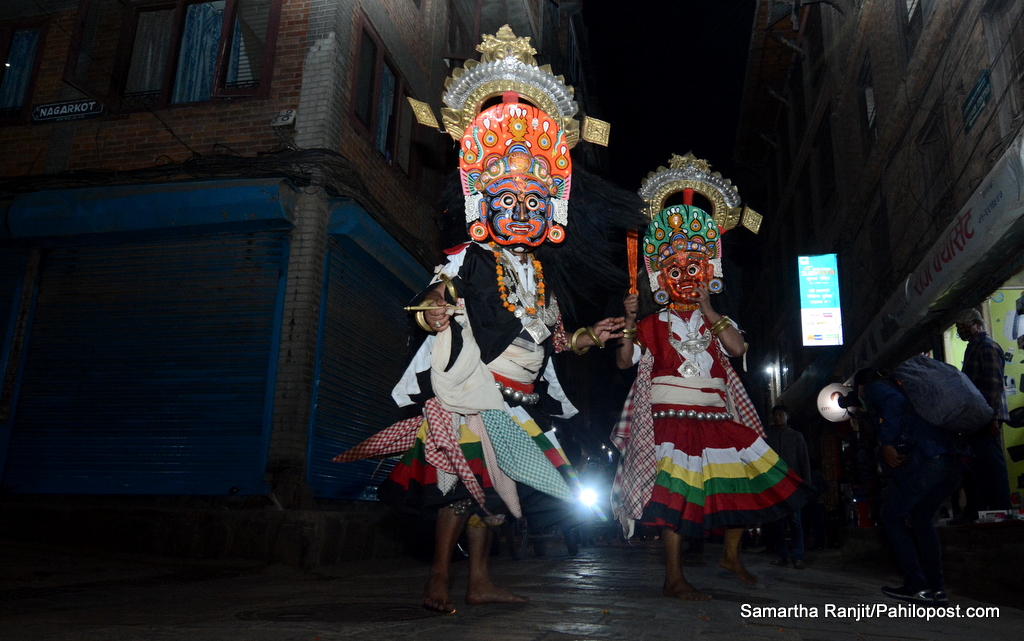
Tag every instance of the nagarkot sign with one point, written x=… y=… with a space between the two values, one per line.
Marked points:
x=70 y=110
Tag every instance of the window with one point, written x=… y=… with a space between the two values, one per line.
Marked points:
x=1004 y=36
x=814 y=45
x=174 y=51
x=825 y=165
x=463 y=29
x=868 y=111
x=379 y=103
x=797 y=102
x=912 y=15
x=880 y=243
x=935 y=170
x=406 y=122
x=21 y=49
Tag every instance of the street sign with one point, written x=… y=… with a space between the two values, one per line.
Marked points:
x=821 y=320
x=71 y=110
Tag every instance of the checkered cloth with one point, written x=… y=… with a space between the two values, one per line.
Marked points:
x=984 y=365
x=502 y=484
x=740 y=400
x=520 y=458
x=441 y=448
x=633 y=436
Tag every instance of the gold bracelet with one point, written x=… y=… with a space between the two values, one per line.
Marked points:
x=593 y=337
x=629 y=333
x=450 y=286
x=575 y=336
x=720 y=326
x=421 y=320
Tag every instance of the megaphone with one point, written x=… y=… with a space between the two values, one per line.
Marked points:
x=834 y=401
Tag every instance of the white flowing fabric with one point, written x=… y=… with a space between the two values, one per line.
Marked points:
x=468 y=387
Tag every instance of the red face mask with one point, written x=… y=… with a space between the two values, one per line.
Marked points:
x=682 y=274
x=517 y=211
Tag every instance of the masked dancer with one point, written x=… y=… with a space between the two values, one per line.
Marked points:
x=484 y=375
x=693 y=454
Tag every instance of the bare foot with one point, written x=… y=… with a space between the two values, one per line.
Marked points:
x=681 y=589
x=478 y=594
x=435 y=595
x=736 y=567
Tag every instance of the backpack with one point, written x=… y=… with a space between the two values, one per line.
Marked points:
x=943 y=395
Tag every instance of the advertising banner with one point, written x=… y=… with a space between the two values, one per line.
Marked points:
x=821 y=318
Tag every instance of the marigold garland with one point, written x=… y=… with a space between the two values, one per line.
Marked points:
x=503 y=289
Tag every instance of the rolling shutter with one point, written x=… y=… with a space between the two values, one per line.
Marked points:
x=12 y=276
x=149 y=367
x=362 y=354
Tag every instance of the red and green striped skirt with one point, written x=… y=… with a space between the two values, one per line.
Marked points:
x=713 y=474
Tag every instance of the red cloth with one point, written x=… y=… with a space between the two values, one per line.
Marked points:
x=633 y=434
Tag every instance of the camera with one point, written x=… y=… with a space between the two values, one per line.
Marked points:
x=848 y=401
x=903 y=445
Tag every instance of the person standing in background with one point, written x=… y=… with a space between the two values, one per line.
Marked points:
x=986 y=485
x=791 y=446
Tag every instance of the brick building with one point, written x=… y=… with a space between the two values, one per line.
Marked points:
x=214 y=212
x=888 y=133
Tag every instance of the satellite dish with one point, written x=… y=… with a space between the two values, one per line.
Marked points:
x=828 y=402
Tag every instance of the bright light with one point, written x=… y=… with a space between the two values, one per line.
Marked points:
x=588 y=497
x=769 y=370
x=828 y=402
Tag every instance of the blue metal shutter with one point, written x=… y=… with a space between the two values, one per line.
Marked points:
x=361 y=356
x=12 y=276
x=149 y=367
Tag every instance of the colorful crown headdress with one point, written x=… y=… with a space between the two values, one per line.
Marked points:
x=530 y=134
x=690 y=172
x=507 y=64
x=685 y=227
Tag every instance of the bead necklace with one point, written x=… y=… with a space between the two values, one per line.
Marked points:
x=519 y=293
x=683 y=307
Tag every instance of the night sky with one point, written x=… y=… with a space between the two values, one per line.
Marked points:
x=669 y=79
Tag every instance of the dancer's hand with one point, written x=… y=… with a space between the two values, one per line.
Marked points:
x=892 y=458
x=630 y=304
x=702 y=297
x=609 y=328
x=437 y=318
x=605 y=330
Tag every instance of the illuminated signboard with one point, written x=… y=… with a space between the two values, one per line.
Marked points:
x=821 y=320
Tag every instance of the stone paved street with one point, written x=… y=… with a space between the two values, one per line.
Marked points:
x=606 y=592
